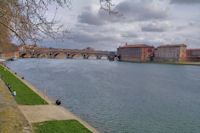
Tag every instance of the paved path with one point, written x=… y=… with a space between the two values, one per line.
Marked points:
x=40 y=113
x=11 y=118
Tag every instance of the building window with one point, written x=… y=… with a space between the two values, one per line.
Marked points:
x=149 y=50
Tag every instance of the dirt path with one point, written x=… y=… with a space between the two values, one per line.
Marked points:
x=11 y=118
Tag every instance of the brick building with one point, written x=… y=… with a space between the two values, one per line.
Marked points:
x=170 y=53
x=137 y=52
x=8 y=50
x=193 y=52
x=193 y=55
x=8 y=55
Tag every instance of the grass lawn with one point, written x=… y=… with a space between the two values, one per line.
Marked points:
x=25 y=96
x=63 y=126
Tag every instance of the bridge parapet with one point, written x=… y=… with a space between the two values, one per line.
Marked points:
x=52 y=53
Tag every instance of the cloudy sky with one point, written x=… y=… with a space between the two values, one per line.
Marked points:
x=153 y=22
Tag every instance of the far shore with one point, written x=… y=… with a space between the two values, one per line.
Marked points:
x=171 y=63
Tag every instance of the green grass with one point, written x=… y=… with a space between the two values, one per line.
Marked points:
x=25 y=96
x=63 y=126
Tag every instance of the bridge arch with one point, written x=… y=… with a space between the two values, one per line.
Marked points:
x=92 y=56
x=25 y=55
x=104 y=57
x=77 y=55
x=43 y=56
x=37 y=55
x=60 y=55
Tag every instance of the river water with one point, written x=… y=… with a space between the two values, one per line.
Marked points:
x=120 y=97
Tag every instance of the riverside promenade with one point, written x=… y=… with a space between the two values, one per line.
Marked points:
x=11 y=118
x=37 y=113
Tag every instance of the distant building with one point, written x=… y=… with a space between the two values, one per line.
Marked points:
x=170 y=53
x=89 y=48
x=24 y=47
x=8 y=55
x=8 y=50
x=137 y=52
x=193 y=52
x=193 y=55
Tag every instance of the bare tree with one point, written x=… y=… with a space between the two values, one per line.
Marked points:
x=4 y=32
x=27 y=20
x=107 y=6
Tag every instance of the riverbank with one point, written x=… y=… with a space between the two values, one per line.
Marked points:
x=171 y=63
x=49 y=112
x=1 y=60
x=180 y=63
x=25 y=96
x=11 y=118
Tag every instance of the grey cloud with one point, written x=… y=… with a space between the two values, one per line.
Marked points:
x=93 y=36
x=90 y=18
x=129 y=34
x=141 y=11
x=190 y=26
x=83 y=36
x=153 y=27
x=185 y=2
x=128 y=11
x=194 y=24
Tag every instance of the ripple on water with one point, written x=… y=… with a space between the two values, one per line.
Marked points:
x=120 y=97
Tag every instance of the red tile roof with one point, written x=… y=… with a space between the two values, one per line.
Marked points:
x=137 y=46
x=176 y=45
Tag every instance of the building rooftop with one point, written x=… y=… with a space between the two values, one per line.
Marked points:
x=193 y=49
x=137 y=46
x=176 y=45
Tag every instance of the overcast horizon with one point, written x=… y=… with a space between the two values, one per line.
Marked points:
x=152 y=22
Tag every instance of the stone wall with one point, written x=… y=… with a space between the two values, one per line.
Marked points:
x=61 y=55
x=10 y=55
x=130 y=59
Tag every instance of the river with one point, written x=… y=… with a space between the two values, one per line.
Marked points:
x=120 y=97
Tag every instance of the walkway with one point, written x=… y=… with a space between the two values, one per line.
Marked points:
x=11 y=119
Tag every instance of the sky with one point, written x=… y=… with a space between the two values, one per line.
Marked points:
x=152 y=22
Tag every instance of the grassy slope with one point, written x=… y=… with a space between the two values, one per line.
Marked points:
x=25 y=96
x=64 y=126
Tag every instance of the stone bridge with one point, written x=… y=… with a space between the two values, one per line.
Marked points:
x=48 y=53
